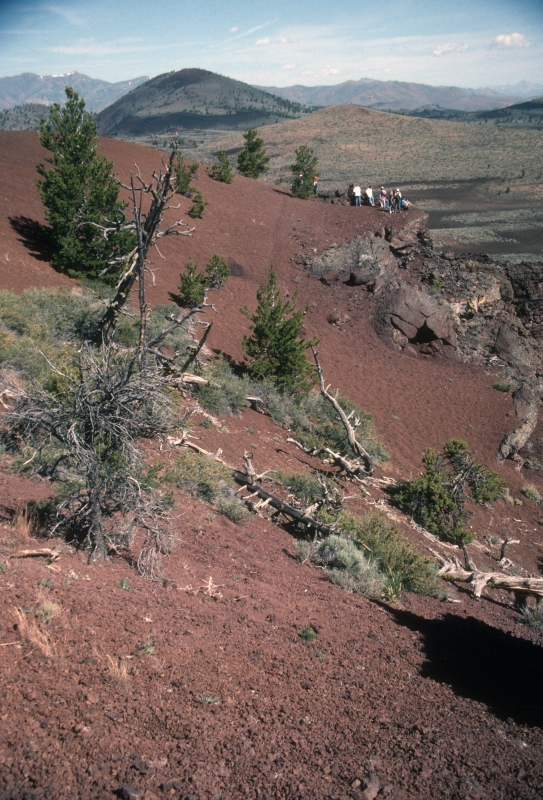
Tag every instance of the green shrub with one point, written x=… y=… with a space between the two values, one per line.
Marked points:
x=302 y=485
x=232 y=508
x=531 y=493
x=308 y=634
x=533 y=617
x=226 y=393
x=199 y=475
x=253 y=161
x=437 y=499
x=502 y=386
x=324 y=429
x=348 y=567
x=397 y=560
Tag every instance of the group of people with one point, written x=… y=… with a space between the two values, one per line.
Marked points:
x=390 y=201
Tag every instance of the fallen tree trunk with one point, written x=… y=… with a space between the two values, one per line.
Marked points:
x=452 y=570
x=46 y=552
x=249 y=479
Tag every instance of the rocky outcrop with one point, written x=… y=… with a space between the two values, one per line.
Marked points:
x=364 y=259
x=409 y=316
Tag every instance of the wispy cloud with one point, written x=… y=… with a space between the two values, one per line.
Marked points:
x=66 y=13
x=447 y=49
x=289 y=66
x=263 y=41
x=254 y=30
x=511 y=40
x=235 y=29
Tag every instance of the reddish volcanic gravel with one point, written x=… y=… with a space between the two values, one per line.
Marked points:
x=220 y=697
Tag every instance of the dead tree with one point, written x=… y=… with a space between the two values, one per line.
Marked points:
x=161 y=189
x=452 y=570
x=362 y=466
x=86 y=437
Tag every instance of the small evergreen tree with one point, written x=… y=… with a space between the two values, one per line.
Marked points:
x=217 y=271
x=79 y=192
x=221 y=169
x=184 y=173
x=193 y=285
x=437 y=499
x=253 y=161
x=196 y=210
x=275 y=346
x=304 y=171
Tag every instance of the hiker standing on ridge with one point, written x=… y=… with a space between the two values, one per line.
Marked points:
x=398 y=200
x=315 y=184
x=369 y=196
x=357 y=192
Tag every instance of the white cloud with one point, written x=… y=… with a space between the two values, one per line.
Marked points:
x=263 y=41
x=511 y=40
x=289 y=66
x=447 y=49
x=283 y=39
x=235 y=29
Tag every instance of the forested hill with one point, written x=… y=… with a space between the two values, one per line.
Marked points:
x=194 y=98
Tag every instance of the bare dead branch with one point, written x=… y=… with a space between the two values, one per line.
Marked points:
x=350 y=428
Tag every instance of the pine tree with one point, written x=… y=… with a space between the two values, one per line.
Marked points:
x=221 y=169
x=275 y=346
x=304 y=171
x=79 y=192
x=253 y=161
x=184 y=173
x=196 y=210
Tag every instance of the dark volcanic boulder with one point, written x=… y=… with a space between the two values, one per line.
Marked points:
x=408 y=315
x=365 y=257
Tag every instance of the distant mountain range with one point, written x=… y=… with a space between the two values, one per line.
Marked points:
x=46 y=89
x=396 y=95
x=194 y=99
x=524 y=89
x=521 y=115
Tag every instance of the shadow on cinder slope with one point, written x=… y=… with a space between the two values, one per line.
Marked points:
x=482 y=663
x=34 y=236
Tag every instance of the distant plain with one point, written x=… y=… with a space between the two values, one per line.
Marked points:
x=482 y=185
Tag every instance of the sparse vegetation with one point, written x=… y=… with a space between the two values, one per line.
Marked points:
x=124 y=584
x=437 y=499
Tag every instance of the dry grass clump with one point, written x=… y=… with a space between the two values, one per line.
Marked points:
x=47 y=611
x=31 y=633
x=118 y=672
x=24 y=521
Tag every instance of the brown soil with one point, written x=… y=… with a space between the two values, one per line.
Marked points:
x=438 y=700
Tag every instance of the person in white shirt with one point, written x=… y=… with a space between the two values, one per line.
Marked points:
x=369 y=196
x=357 y=192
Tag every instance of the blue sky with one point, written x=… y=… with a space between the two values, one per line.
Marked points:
x=457 y=42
